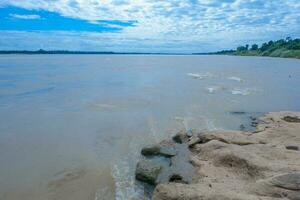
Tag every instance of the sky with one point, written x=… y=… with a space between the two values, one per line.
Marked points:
x=170 y=26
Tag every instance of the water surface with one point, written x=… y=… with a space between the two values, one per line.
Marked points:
x=71 y=126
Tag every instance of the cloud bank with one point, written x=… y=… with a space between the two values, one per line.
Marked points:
x=162 y=25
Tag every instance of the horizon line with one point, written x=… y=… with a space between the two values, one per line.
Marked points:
x=41 y=51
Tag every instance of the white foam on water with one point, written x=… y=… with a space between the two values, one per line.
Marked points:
x=234 y=78
x=194 y=75
x=243 y=92
x=211 y=89
x=199 y=75
x=126 y=186
x=214 y=89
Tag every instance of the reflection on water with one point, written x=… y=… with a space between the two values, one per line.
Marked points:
x=72 y=126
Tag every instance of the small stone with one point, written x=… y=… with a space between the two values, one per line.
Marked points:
x=254 y=124
x=238 y=113
x=289 y=181
x=191 y=132
x=176 y=178
x=291 y=119
x=181 y=137
x=167 y=151
x=193 y=141
x=150 y=150
x=147 y=171
x=162 y=149
x=292 y=147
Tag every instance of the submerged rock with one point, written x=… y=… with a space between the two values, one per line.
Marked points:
x=251 y=120
x=242 y=127
x=148 y=171
x=162 y=149
x=181 y=169
x=237 y=112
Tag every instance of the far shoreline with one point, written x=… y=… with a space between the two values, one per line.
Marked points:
x=139 y=54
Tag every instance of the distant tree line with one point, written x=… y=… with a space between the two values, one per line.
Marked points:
x=41 y=51
x=286 y=48
x=287 y=43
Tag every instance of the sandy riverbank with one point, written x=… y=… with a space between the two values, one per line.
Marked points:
x=264 y=164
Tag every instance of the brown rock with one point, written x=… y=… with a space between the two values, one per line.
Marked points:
x=181 y=137
x=164 y=148
x=147 y=171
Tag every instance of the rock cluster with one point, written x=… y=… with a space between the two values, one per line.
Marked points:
x=260 y=165
x=168 y=161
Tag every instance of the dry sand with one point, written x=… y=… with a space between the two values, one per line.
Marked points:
x=237 y=165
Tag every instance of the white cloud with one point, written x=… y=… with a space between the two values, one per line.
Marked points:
x=178 y=22
x=17 y=16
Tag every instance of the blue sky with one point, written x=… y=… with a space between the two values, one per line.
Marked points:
x=145 y=26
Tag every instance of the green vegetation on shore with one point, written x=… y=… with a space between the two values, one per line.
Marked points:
x=285 y=48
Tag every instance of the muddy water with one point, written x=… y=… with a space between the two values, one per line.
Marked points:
x=71 y=126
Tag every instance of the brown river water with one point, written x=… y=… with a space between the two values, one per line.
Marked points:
x=72 y=126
